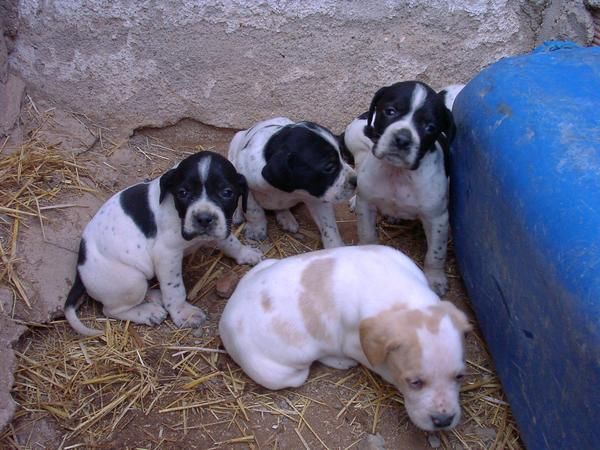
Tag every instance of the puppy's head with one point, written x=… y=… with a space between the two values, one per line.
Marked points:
x=306 y=156
x=205 y=188
x=422 y=350
x=404 y=122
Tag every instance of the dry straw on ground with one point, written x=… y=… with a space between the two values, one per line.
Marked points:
x=184 y=385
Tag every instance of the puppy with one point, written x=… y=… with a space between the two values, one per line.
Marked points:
x=287 y=163
x=362 y=304
x=399 y=147
x=143 y=232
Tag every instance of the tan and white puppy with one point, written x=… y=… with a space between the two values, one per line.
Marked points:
x=363 y=304
x=287 y=163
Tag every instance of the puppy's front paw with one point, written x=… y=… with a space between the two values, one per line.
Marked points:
x=437 y=280
x=188 y=316
x=256 y=232
x=238 y=216
x=287 y=221
x=352 y=203
x=249 y=255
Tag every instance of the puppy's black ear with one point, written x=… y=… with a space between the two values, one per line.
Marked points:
x=448 y=129
x=369 y=130
x=166 y=182
x=346 y=154
x=243 y=184
x=278 y=171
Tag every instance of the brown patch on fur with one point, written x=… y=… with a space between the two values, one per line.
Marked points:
x=316 y=299
x=286 y=331
x=266 y=302
x=393 y=333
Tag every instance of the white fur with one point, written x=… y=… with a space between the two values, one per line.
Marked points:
x=246 y=152
x=393 y=190
x=275 y=325
x=120 y=260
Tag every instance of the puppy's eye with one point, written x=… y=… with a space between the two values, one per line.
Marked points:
x=329 y=167
x=430 y=128
x=227 y=193
x=460 y=377
x=389 y=111
x=415 y=384
x=182 y=193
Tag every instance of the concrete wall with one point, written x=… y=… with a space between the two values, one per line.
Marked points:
x=229 y=63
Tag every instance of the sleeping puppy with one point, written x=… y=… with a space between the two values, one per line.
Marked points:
x=287 y=163
x=143 y=232
x=362 y=304
x=400 y=149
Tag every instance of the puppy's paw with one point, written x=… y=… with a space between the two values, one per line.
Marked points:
x=437 y=280
x=352 y=203
x=287 y=221
x=238 y=216
x=188 y=316
x=256 y=233
x=249 y=255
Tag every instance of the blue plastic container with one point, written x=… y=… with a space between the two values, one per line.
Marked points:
x=525 y=214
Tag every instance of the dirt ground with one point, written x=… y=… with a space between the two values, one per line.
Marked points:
x=141 y=387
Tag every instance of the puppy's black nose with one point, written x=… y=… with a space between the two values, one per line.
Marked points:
x=205 y=220
x=442 y=420
x=402 y=139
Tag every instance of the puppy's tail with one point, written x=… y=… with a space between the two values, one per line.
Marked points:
x=71 y=305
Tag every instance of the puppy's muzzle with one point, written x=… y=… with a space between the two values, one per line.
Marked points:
x=402 y=140
x=204 y=222
x=441 y=421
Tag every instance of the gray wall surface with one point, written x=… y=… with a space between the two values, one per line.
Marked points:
x=229 y=63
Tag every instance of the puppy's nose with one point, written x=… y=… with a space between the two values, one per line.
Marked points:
x=442 y=420
x=402 y=139
x=205 y=220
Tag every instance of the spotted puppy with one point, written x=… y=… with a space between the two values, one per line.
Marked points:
x=287 y=163
x=362 y=304
x=399 y=148
x=143 y=232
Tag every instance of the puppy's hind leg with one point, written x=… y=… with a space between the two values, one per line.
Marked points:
x=131 y=304
x=273 y=375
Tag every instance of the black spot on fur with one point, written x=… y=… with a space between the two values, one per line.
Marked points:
x=136 y=204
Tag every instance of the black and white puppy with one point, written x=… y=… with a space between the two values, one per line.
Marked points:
x=399 y=148
x=144 y=231
x=287 y=163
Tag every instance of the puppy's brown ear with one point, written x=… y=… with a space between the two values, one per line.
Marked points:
x=243 y=184
x=459 y=318
x=376 y=339
x=166 y=183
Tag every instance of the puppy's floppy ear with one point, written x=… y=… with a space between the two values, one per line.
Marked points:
x=278 y=171
x=376 y=339
x=369 y=130
x=346 y=154
x=459 y=318
x=243 y=185
x=166 y=183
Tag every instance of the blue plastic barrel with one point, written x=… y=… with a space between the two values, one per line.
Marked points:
x=525 y=215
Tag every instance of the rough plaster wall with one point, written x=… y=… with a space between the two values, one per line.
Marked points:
x=230 y=63
x=565 y=20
